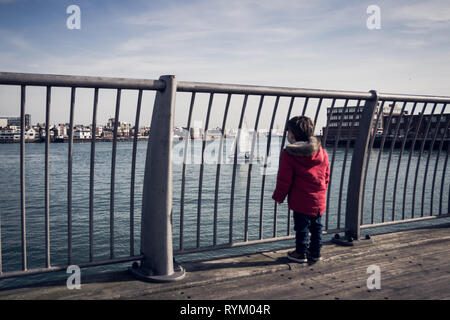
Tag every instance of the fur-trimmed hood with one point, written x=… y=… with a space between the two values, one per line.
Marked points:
x=304 y=148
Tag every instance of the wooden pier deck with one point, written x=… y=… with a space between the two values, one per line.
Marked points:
x=414 y=264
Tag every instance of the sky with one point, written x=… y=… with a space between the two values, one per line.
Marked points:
x=323 y=44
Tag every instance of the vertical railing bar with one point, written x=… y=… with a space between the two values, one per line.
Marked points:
x=441 y=144
x=249 y=174
x=91 y=177
x=448 y=200
x=1 y=268
x=281 y=150
x=388 y=164
x=369 y=153
x=219 y=162
x=429 y=155
x=22 y=177
x=442 y=182
x=47 y=178
x=113 y=173
x=436 y=165
x=325 y=134
x=380 y=151
x=233 y=180
x=200 y=181
x=183 y=174
x=263 y=182
x=411 y=151
x=422 y=146
x=347 y=147
x=315 y=121
x=305 y=106
x=336 y=141
x=324 y=143
x=69 y=177
x=405 y=138
x=283 y=139
x=133 y=170
x=317 y=111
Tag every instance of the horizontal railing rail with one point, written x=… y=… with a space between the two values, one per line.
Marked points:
x=388 y=164
x=30 y=79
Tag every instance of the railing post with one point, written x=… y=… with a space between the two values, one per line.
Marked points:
x=156 y=223
x=356 y=175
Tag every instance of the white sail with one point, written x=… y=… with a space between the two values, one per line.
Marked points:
x=245 y=142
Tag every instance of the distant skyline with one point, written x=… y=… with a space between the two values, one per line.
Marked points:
x=320 y=44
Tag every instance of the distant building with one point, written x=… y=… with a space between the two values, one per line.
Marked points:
x=98 y=131
x=437 y=126
x=214 y=133
x=350 y=123
x=123 y=128
x=31 y=134
x=107 y=134
x=82 y=133
x=15 y=121
x=347 y=118
x=12 y=134
x=179 y=133
x=9 y=135
x=61 y=131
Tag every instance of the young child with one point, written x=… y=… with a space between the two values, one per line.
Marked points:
x=303 y=176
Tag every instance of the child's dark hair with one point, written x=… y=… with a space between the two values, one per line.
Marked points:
x=302 y=127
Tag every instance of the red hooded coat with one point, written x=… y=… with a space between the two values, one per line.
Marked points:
x=303 y=176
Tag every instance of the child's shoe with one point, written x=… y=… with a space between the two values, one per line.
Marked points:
x=314 y=257
x=297 y=257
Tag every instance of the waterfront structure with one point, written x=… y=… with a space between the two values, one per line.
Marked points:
x=98 y=131
x=15 y=121
x=30 y=134
x=82 y=133
x=179 y=133
x=419 y=123
x=107 y=134
x=40 y=128
x=213 y=134
x=61 y=131
x=12 y=134
x=123 y=128
x=349 y=117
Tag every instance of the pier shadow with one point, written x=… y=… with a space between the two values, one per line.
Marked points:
x=211 y=265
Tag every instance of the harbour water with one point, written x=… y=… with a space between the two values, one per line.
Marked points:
x=10 y=212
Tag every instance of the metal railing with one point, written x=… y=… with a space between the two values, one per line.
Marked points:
x=74 y=82
x=158 y=217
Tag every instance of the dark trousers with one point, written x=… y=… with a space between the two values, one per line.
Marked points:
x=303 y=225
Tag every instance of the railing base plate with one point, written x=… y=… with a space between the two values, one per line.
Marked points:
x=350 y=242
x=141 y=274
